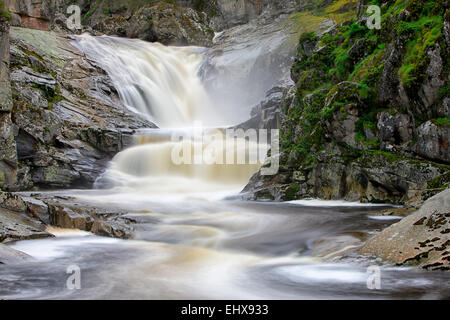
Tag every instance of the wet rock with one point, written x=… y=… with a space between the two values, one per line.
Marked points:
x=38 y=209
x=422 y=238
x=69 y=219
x=67 y=214
x=16 y=226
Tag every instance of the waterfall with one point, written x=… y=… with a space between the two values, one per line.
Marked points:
x=163 y=84
x=159 y=82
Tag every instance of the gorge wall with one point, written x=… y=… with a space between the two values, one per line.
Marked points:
x=368 y=119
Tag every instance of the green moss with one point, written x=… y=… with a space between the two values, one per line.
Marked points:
x=440 y=183
x=2 y=178
x=4 y=13
x=424 y=33
x=291 y=192
x=443 y=122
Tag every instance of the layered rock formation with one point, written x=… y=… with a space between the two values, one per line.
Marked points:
x=368 y=119
x=63 y=121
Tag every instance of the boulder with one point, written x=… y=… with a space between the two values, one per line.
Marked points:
x=421 y=239
x=16 y=226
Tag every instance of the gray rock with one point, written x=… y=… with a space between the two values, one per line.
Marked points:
x=430 y=88
x=38 y=209
x=16 y=226
x=396 y=129
x=433 y=142
x=422 y=238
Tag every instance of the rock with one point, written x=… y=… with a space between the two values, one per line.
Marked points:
x=170 y=24
x=10 y=256
x=38 y=209
x=345 y=91
x=68 y=214
x=433 y=142
x=430 y=88
x=34 y=14
x=67 y=218
x=16 y=226
x=343 y=125
x=360 y=50
x=422 y=238
x=12 y=202
x=5 y=88
x=396 y=129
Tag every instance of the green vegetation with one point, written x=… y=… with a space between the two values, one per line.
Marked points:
x=444 y=122
x=355 y=54
x=4 y=13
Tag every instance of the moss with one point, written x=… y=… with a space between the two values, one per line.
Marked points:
x=440 y=183
x=2 y=178
x=442 y=122
x=424 y=34
x=4 y=13
x=291 y=192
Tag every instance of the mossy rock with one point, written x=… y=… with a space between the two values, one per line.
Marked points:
x=344 y=92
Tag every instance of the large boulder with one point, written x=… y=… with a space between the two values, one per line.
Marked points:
x=422 y=238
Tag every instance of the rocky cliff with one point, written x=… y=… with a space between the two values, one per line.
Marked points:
x=368 y=119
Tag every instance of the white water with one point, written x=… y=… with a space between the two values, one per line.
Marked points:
x=159 y=82
x=163 y=84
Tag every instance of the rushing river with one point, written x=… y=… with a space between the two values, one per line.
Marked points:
x=194 y=238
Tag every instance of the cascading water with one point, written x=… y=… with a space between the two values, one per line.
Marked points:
x=159 y=82
x=162 y=84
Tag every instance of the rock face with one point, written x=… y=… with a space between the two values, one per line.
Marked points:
x=163 y=22
x=422 y=238
x=8 y=156
x=35 y=14
x=370 y=119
